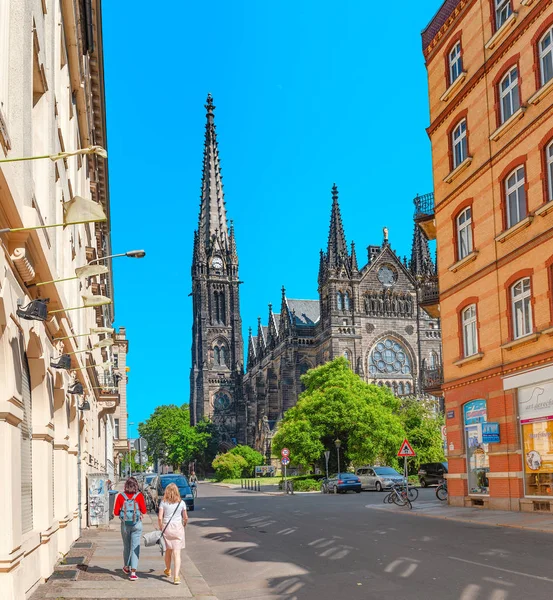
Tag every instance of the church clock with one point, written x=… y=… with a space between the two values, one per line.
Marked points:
x=217 y=263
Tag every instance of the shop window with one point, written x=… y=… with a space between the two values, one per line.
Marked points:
x=478 y=465
x=546 y=57
x=536 y=418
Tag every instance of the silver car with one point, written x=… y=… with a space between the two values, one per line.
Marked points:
x=378 y=478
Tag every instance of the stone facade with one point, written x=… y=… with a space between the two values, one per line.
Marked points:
x=53 y=433
x=369 y=314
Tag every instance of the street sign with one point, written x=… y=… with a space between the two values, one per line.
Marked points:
x=140 y=444
x=406 y=449
x=285 y=460
x=444 y=432
x=143 y=458
x=285 y=452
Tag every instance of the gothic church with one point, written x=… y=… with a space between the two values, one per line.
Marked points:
x=368 y=314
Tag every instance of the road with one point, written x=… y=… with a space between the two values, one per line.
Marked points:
x=326 y=547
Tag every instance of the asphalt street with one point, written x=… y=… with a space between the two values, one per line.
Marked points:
x=313 y=546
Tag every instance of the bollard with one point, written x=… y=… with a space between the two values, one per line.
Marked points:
x=242 y=483
x=247 y=484
x=258 y=486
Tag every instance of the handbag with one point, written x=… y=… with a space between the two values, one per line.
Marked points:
x=156 y=537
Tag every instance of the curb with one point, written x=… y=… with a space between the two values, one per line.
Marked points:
x=194 y=579
x=462 y=520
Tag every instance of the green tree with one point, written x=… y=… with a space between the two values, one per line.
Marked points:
x=337 y=404
x=251 y=456
x=422 y=422
x=229 y=466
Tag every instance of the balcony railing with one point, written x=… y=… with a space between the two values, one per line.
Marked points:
x=424 y=206
x=109 y=383
x=432 y=376
x=429 y=290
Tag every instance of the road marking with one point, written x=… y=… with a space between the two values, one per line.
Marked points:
x=470 y=562
x=498 y=581
x=499 y=595
x=470 y=592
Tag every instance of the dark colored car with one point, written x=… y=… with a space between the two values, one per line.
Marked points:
x=432 y=473
x=342 y=483
x=182 y=483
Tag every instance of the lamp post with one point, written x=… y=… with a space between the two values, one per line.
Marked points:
x=338 y=443
x=129 y=254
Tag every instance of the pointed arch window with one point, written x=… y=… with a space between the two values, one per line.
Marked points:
x=339 y=301
x=220 y=307
x=346 y=301
x=407 y=388
x=217 y=355
x=400 y=389
x=223 y=354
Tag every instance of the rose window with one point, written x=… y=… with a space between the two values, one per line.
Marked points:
x=389 y=358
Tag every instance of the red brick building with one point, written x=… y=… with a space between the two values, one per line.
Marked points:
x=490 y=76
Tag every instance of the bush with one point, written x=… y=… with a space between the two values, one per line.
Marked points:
x=306 y=485
x=228 y=466
x=251 y=456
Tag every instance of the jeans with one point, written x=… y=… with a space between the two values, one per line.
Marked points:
x=131 y=543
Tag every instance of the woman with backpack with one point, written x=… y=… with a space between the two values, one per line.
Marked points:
x=129 y=507
x=172 y=519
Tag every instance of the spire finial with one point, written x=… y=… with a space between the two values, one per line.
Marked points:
x=337 y=252
x=209 y=106
x=334 y=192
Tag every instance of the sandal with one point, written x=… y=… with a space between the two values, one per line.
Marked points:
x=167 y=572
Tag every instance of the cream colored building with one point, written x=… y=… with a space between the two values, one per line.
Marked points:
x=51 y=100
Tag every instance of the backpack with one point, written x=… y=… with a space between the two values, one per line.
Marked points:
x=130 y=512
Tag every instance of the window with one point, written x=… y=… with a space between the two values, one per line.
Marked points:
x=464 y=233
x=509 y=97
x=549 y=162
x=433 y=361
x=521 y=308
x=223 y=355
x=546 y=57
x=400 y=389
x=346 y=301
x=217 y=355
x=478 y=463
x=407 y=388
x=503 y=11
x=388 y=356
x=515 y=196
x=470 y=335
x=116 y=429
x=459 y=141
x=455 y=63
x=346 y=355
x=339 y=302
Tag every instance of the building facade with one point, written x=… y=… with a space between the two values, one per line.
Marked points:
x=120 y=416
x=367 y=313
x=490 y=74
x=56 y=402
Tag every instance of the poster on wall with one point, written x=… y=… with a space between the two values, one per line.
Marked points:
x=535 y=402
x=538 y=447
x=475 y=412
x=98 y=500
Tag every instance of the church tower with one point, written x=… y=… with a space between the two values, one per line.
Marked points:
x=217 y=347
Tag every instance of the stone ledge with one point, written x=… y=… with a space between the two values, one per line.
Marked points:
x=504 y=127
x=505 y=235
x=527 y=339
x=544 y=208
x=458 y=169
x=472 y=358
x=464 y=261
x=501 y=32
x=456 y=84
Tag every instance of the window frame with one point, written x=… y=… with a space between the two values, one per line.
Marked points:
x=458 y=62
x=549 y=170
x=467 y=227
x=462 y=142
x=519 y=185
x=525 y=297
x=339 y=301
x=542 y=55
x=498 y=7
x=508 y=93
x=470 y=323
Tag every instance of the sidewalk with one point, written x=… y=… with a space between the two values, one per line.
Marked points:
x=496 y=518
x=93 y=569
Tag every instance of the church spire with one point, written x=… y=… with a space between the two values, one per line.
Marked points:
x=421 y=261
x=213 y=215
x=337 y=248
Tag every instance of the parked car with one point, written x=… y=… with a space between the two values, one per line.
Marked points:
x=342 y=483
x=378 y=478
x=151 y=488
x=432 y=473
x=183 y=485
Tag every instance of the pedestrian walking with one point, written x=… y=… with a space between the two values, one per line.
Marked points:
x=129 y=507
x=172 y=519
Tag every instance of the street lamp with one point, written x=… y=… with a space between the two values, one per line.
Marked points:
x=129 y=254
x=338 y=443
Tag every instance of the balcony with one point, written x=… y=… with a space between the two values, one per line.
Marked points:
x=424 y=215
x=429 y=296
x=432 y=378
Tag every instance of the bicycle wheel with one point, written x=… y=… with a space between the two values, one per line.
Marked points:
x=195 y=491
x=408 y=503
x=399 y=499
x=441 y=493
x=386 y=499
x=412 y=494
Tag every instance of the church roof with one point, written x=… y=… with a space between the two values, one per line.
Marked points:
x=307 y=312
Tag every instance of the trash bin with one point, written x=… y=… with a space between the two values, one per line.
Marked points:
x=112 y=496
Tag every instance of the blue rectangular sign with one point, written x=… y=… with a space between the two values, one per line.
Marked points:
x=490 y=433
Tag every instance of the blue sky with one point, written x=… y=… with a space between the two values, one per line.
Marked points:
x=308 y=93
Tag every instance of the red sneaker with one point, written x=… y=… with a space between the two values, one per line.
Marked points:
x=133 y=576
x=126 y=570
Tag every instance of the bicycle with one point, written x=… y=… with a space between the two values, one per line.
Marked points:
x=400 y=496
x=441 y=491
x=194 y=489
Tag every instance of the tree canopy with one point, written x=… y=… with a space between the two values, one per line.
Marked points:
x=337 y=404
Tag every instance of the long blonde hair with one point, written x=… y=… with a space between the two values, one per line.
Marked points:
x=171 y=495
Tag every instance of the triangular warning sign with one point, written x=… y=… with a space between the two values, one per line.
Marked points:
x=406 y=449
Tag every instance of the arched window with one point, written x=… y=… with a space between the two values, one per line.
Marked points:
x=503 y=10
x=545 y=48
x=346 y=355
x=223 y=351
x=509 y=96
x=521 y=308
x=549 y=162
x=389 y=357
x=433 y=360
x=464 y=233
x=459 y=143
x=339 y=301
x=346 y=301
x=515 y=196
x=407 y=388
x=470 y=334
x=217 y=355
x=400 y=389
x=455 y=63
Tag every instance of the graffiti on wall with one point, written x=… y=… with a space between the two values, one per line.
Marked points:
x=98 y=500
